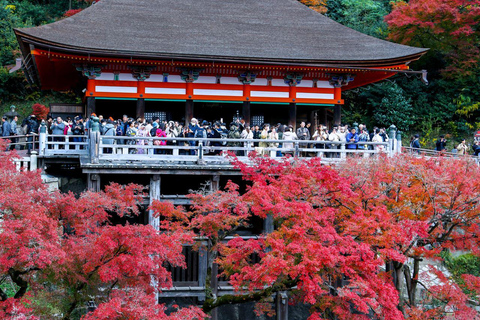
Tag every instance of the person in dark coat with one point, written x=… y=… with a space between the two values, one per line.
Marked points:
x=32 y=128
x=415 y=144
x=441 y=144
x=6 y=128
x=476 y=148
x=352 y=138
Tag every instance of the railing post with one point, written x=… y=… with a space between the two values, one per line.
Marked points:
x=399 y=141
x=94 y=134
x=343 y=154
x=33 y=161
x=42 y=139
x=200 y=150
x=392 y=130
x=297 y=151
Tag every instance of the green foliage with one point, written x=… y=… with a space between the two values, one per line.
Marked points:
x=463 y=264
x=447 y=105
x=8 y=286
x=380 y=105
x=365 y=16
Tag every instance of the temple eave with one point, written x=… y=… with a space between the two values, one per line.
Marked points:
x=139 y=57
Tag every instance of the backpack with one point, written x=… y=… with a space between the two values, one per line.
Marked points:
x=119 y=131
x=223 y=135
x=200 y=133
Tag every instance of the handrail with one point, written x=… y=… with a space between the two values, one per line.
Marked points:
x=435 y=152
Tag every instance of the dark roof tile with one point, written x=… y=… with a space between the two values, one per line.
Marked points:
x=262 y=30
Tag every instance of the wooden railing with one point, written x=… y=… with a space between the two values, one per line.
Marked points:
x=215 y=150
x=121 y=148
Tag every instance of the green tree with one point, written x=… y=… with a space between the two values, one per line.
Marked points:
x=365 y=16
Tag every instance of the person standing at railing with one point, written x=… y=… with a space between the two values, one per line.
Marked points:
x=320 y=134
x=476 y=148
x=57 y=128
x=247 y=134
x=13 y=132
x=32 y=129
x=131 y=132
x=363 y=137
x=415 y=143
x=234 y=133
x=462 y=148
x=334 y=136
x=142 y=133
x=352 y=139
x=6 y=128
x=108 y=131
x=377 y=138
x=441 y=144
x=215 y=133
x=289 y=135
x=303 y=134
x=342 y=132
x=191 y=133
x=78 y=130
x=256 y=135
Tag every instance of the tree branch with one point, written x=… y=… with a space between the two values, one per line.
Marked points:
x=211 y=304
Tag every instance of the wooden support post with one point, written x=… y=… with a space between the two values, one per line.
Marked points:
x=214 y=287
x=246 y=112
x=292 y=115
x=215 y=186
x=33 y=161
x=282 y=305
x=322 y=117
x=154 y=221
x=188 y=111
x=154 y=195
x=93 y=183
x=90 y=106
x=337 y=114
x=140 y=108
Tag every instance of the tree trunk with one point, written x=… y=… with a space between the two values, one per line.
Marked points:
x=16 y=277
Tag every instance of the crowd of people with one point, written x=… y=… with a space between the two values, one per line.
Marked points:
x=209 y=133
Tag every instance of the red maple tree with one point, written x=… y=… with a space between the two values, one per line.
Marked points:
x=449 y=26
x=345 y=240
x=64 y=251
x=40 y=111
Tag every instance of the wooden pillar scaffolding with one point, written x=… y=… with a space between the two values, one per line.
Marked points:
x=154 y=195
x=152 y=220
x=292 y=115
x=140 y=109
x=246 y=112
x=188 y=111
x=337 y=114
x=90 y=106
x=93 y=183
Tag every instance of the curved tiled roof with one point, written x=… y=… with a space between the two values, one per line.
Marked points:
x=216 y=30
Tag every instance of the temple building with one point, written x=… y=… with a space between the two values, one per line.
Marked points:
x=267 y=61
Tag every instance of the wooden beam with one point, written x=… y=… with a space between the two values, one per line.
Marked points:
x=140 y=108
x=154 y=195
x=292 y=115
x=90 y=106
x=337 y=114
x=246 y=112
x=93 y=182
x=188 y=111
